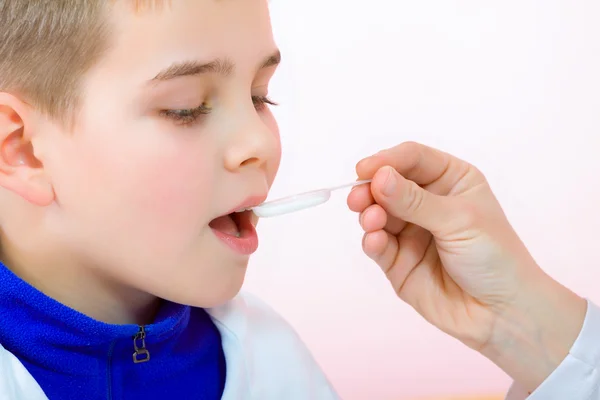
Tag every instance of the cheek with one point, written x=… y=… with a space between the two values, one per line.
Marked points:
x=150 y=187
x=172 y=192
x=271 y=123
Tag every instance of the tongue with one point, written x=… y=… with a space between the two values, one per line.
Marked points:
x=225 y=224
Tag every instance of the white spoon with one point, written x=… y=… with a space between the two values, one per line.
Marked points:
x=299 y=202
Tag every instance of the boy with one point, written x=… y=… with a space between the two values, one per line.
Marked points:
x=130 y=134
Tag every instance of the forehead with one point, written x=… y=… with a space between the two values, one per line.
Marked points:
x=146 y=40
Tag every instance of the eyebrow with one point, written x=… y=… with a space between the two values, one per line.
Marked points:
x=218 y=66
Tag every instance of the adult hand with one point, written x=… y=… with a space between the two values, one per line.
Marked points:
x=434 y=226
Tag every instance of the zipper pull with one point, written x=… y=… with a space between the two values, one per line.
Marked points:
x=141 y=354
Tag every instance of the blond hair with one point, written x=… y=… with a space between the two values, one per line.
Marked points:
x=46 y=46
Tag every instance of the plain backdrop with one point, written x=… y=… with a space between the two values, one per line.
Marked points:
x=512 y=86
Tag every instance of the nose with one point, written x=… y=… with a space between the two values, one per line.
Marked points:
x=253 y=143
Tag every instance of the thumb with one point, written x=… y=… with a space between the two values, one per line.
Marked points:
x=404 y=199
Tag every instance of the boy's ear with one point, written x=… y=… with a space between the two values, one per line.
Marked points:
x=20 y=171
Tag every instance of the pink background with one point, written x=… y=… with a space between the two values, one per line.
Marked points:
x=512 y=86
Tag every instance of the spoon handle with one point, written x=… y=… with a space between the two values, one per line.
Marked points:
x=357 y=183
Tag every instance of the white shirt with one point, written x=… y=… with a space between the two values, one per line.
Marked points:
x=578 y=376
x=265 y=358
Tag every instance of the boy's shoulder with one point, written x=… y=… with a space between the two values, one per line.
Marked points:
x=264 y=355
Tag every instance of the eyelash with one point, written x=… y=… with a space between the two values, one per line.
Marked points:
x=191 y=115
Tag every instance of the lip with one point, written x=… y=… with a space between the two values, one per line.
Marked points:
x=247 y=242
x=251 y=201
x=244 y=245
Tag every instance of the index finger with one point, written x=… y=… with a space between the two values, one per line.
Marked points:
x=414 y=161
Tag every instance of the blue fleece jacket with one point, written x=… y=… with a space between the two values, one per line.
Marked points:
x=75 y=357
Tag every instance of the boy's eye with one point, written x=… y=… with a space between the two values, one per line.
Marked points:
x=186 y=116
x=190 y=115
x=260 y=102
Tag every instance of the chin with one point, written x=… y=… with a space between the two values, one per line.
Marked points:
x=216 y=300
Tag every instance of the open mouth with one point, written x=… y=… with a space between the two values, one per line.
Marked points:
x=234 y=224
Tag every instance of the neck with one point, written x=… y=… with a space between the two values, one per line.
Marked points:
x=82 y=289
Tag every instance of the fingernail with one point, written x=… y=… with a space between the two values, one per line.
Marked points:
x=390 y=183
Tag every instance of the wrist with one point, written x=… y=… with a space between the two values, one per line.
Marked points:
x=533 y=335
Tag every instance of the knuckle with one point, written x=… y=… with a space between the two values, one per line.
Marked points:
x=364 y=243
x=476 y=175
x=470 y=214
x=475 y=170
x=414 y=199
x=397 y=283
x=411 y=146
x=397 y=286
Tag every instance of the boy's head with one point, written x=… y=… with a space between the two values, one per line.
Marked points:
x=126 y=128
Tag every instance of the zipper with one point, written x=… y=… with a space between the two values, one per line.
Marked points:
x=111 y=350
x=140 y=354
